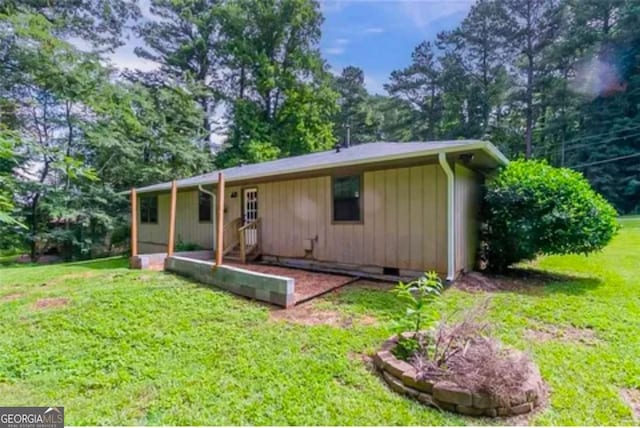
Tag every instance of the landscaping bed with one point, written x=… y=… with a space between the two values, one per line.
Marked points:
x=441 y=392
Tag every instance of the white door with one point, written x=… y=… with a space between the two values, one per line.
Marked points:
x=250 y=215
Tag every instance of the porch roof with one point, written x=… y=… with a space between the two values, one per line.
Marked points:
x=347 y=156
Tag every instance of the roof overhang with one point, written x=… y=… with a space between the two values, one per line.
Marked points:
x=489 y=158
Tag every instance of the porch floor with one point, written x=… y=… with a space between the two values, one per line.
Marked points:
x=307 y=284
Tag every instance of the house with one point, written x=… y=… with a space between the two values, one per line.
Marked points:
x=378 y=209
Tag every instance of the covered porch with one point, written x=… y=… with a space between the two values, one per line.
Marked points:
x=231 y=264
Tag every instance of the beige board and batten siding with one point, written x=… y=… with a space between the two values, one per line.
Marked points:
x=467 y=202
x=404 y=220
x=153 y=237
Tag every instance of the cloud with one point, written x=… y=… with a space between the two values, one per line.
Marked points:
x=373 y=30
x=338 y=47
x=423 y=13
x=329 y=6
x=336 y=50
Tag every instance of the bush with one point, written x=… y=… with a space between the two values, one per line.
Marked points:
x=186 y=246
x=531 y=208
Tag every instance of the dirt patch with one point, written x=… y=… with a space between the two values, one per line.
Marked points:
x=10 y=297
x=306 y=314
x=51 y=302
x=368 y=320
x=632 y=398
x=307 y=284
x=70 y=276
x=475 y=282
x=546 y=333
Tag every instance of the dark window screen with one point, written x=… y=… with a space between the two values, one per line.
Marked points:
x=149 y=209
x=346 y=198
x=204 y=207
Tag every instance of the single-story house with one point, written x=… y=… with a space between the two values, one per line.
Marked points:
x=377 y=208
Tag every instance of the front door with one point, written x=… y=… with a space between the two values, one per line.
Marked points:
x=250 y=214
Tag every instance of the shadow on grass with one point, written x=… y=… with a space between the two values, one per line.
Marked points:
x=114 y=262
x=557 y=282
x=366 y=300
x=528 y=281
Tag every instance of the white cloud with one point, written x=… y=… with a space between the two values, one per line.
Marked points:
x=329 y=6
x=336 y=50
x=373 y=30
x=423 y=13
x=342 y=41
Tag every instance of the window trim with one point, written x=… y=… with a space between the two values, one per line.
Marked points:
x=360 y=199
x=200 y=192
x=142 y=197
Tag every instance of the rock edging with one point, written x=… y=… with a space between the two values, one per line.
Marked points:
x=446 y=395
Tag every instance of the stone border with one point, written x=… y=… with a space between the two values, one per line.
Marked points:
x=442 y=394
x=278 y=290
x=156 y=260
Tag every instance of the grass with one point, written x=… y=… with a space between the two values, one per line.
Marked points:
x=148 y=348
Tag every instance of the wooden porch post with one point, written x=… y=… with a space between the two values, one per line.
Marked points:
x=220 y=220
x=134 y=222
x=172 y=218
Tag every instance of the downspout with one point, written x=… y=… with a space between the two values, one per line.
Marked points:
x=451 y=249
x=200 y=188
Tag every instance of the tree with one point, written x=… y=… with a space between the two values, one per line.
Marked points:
x=390 y=119
x=476 y=52
x=185 y=40
x=352 y=117
x=145 y=135
x=531 y=27
x=283 y=103
x=531 y=208
x=420 y=85
x=7 y=163
x=99 y=23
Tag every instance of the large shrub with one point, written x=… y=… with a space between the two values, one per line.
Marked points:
x=532 y=208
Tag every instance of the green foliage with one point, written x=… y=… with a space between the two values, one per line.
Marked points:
x=532 y=208
x=281 y=99
x=419 y=296
x=186 y=246
x=7 y=163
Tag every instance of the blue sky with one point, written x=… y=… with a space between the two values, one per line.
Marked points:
x=375 y=35
x=379 y=35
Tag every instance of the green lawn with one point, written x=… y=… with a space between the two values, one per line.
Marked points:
x=138 y=347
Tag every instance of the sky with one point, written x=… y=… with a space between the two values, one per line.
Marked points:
x=376 y=35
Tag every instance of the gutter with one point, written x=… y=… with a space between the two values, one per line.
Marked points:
x=451 y=249
x=487 y=147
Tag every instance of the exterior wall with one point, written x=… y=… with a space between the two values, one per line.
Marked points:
x=233 y=206
x=404 y=220
x=467 y=202
x=153 y=238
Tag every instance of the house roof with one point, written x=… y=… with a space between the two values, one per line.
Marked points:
x=354 y=155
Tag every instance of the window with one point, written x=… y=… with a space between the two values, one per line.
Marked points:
x=149 y=209
x=347 y=199
x=205 y=210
